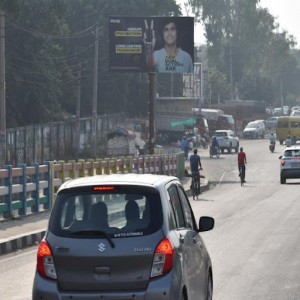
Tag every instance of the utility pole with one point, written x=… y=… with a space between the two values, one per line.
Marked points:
x=281 y=90
x=151 y=112
x=230 y=66
x=95 y=95
x=78 y=111
x=2 y=91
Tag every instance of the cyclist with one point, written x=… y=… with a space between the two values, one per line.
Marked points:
x=195 y=165
x=241 y=162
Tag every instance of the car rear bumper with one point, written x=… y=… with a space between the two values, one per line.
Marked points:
x=249 y=134
x=160 y=288
x=290 y=173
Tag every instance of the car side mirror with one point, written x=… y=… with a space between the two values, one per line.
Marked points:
x=280 y=157
x=206 y=224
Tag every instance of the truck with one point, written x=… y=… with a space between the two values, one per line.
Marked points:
x=217 y=120
x=173 y=116
x=243 y=111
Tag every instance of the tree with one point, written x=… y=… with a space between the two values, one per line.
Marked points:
x=46 y=40
x=244 y=43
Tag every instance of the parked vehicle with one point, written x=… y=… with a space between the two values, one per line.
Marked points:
x=271 y=123
x=288 y=126
x=254 y=130
x=285 y=110
x=290 y=163
x=227 y=140
x=295 y=113
x=172 y=114
x=123 y=236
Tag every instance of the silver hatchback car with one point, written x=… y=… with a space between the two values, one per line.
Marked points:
x=123 y=237
x=290 y=163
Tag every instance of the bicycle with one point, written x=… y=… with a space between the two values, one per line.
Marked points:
x=194 y=186
x=242 y=174
x=194 y=183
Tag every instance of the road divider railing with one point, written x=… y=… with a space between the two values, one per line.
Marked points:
x=30 y=189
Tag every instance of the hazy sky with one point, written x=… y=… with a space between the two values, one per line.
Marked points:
x=286 y=12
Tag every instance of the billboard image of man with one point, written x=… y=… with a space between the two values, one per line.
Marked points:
x=171 y=58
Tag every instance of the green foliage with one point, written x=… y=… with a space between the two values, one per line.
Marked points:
x=217 y=87
x=45 y=42
x=244 y=38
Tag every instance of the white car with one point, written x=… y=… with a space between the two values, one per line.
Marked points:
x=254 y=129
x=295 y=113
x=290 y=163
x=227 y=140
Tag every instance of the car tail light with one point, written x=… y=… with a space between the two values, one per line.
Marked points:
x=163 y=258
x=45 y=263
x=282 y=162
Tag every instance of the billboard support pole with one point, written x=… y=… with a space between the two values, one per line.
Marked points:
x=151 y=113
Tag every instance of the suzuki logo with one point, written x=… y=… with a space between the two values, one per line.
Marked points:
x=101 y=247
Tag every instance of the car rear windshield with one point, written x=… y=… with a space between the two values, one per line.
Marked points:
x=220 y=134
x=251 y=125
x=292 y=153
x=117 y=211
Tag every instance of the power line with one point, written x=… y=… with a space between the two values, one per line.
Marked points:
x=83 y=33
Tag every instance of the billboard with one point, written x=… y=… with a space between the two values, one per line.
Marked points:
x=151 y=44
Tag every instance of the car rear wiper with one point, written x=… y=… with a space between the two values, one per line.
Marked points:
x=94 y=232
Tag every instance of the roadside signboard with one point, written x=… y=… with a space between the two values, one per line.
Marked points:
x=151 y=44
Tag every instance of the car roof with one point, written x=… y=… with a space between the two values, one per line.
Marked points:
x=293 y=147
x=128 y=179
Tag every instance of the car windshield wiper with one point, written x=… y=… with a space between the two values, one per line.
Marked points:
x=94 y=232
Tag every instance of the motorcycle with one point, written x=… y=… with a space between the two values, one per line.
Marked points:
x=272 y=147
x=204 y=141
x=215 y=151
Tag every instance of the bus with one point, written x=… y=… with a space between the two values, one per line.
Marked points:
x=288 y=126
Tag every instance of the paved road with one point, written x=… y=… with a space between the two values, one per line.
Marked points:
x=254 y=246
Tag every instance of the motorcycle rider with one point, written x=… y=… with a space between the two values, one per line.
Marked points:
x=288 y=141
x=242 y=161
x=272 y=139
x=215 y=145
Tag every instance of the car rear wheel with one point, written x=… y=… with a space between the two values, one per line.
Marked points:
x=229 y=149
x=237 y=148
x=282 y=179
